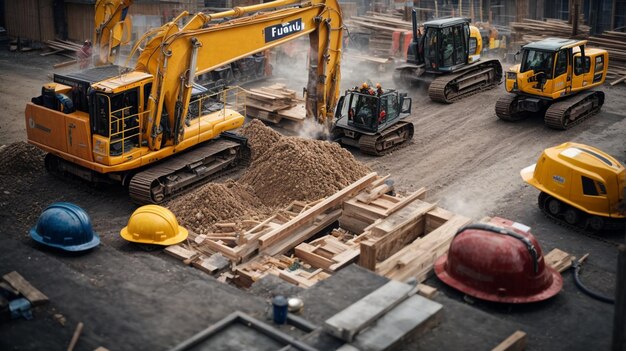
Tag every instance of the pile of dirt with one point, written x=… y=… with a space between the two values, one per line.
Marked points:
x=293 y=168
x=21 y=167
x=260 y=137
x=215 y=202
x=20 y=158
x=283 y=169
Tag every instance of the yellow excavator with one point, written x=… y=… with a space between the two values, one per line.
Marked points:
x=446 y=56
x=555 y=80
x=580 y=185
x=112 y=29
x=151 y=128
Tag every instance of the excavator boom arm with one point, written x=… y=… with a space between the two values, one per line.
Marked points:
x=112 y=28
x=175 y=56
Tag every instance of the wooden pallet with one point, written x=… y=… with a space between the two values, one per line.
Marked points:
x=275 y=103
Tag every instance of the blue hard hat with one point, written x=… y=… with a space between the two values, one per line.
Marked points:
x=65 y=226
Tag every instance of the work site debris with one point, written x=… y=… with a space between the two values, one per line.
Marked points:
x=529 y=30
x=283 y=170
x=214 y=202
x=301 y=169
x=20 y=158
x=275 y=103
x=20 y=167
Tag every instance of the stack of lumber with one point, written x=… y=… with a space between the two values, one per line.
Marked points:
x=63 y=45
x=273 y=103
x=362 y=211
x=416 y=260
x=247 y=239
x=329 y=253
x=63 y=48
x=530 y=30
x=398 y=237
x=615 y=44
x=287 y=268
x=381 y=29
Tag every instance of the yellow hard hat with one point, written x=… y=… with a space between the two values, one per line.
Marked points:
x=364 y=85
x=152 y=224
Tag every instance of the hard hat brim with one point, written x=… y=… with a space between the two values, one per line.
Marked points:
x=95 y=241
x=179 y=237
x=553 y=289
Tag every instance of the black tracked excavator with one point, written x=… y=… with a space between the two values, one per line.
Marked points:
x=445 y=54
x=373 y=120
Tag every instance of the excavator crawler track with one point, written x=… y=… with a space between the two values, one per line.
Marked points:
x=452 y=87
x=572 y=111
x=506 y=109
x=388 y=140
x=178 y=174
x=581 y=222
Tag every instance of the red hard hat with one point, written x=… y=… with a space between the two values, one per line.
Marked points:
x=500 y=263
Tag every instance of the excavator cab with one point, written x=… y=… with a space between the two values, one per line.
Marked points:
x=445 y=56
x=373 y=122
x=551 y=72
x=372 y=112
x=447 y=44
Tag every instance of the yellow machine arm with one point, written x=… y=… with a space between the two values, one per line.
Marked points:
x=112 y=29
x=175 y=55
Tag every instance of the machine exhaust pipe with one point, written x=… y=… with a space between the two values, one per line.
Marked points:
x=414 y=20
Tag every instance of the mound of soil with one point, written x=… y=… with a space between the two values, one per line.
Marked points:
x=260 y=137
x=301 y=169
x=215 y=202
x=20 y=158
x=283 y=169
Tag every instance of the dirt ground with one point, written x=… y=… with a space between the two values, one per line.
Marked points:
x=462 y=153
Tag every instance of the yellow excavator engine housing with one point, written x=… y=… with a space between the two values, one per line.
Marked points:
x=581 y=176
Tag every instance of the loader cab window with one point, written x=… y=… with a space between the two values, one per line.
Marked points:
x=538 y=61
x=578 y=65
x=363 y=111
x=447 y=48
x=116 y=117
x=392 y=106
x=593 y=187
x=100 y=113
x=430 y=47
x=561 y=62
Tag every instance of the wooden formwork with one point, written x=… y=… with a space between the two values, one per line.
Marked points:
x=398 y=237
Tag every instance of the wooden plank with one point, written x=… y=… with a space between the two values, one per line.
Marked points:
x=427 y=291
x=321 y=222
x=344 y=259
x=435 y=218
x=212 y=264
x=617 y=81
x=310 y=214
x=515 y=342
x=295 y=279
x=307 y=254
x=179 y=252
x=20 y=284
x=393 y=233
x=419 y=194
x=559 y=260
x=417 y=259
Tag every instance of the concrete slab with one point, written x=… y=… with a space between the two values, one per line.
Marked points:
x=358 y=316
x=410 y=317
